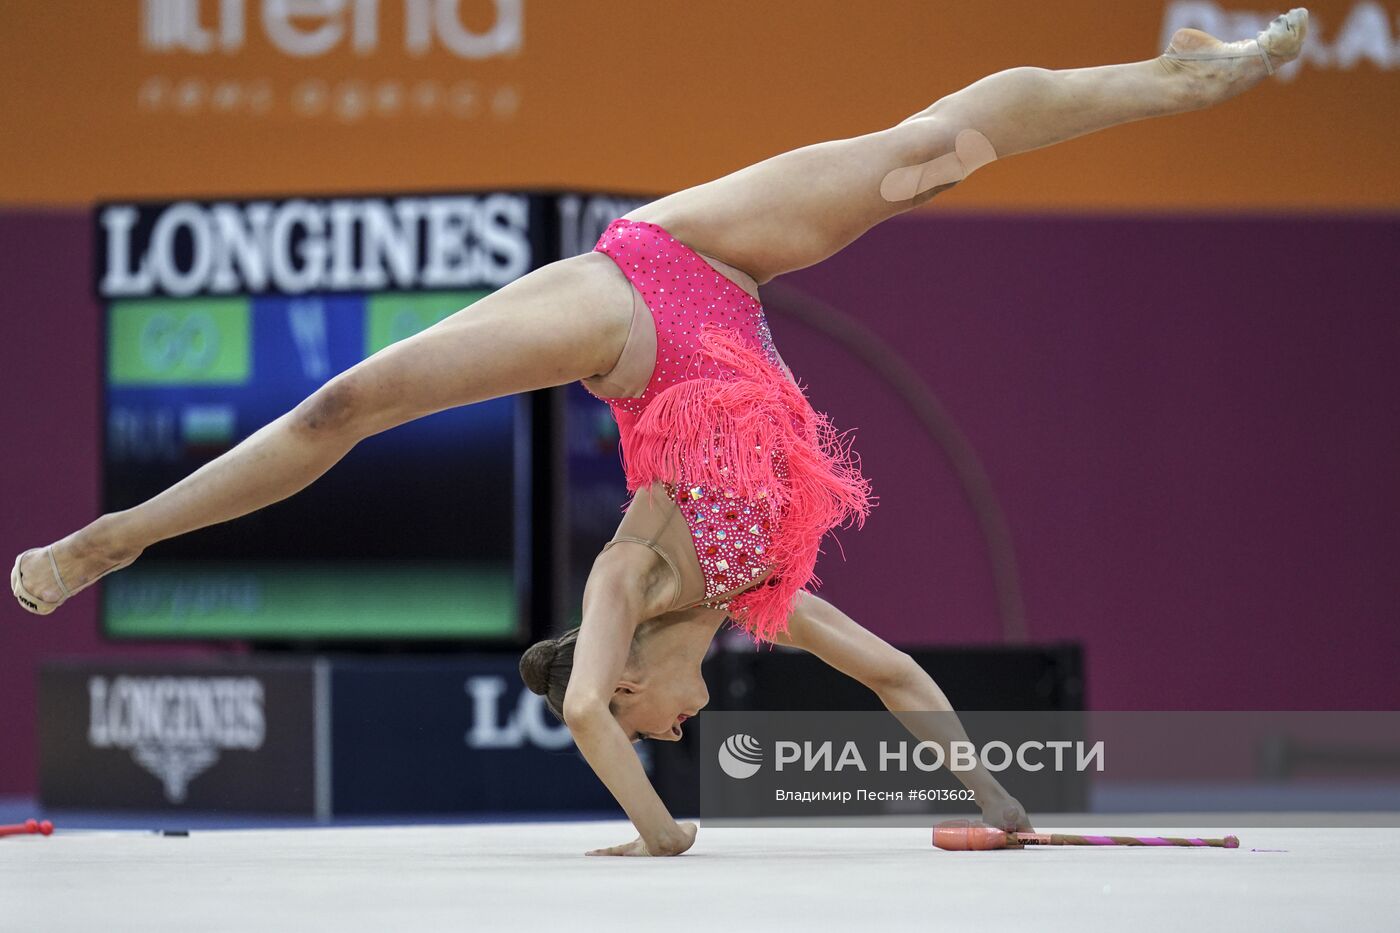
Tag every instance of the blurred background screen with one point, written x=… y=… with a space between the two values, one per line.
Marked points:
x=416 y=534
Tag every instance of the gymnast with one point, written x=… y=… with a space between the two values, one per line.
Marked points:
x=734 y=478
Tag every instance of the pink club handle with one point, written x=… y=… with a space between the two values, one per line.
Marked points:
x=973 y=835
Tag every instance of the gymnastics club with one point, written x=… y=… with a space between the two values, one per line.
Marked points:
x=28 y=828
x=971 y=835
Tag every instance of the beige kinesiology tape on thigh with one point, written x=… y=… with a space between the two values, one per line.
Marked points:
x=971 y=151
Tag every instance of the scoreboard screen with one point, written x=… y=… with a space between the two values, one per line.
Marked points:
x=222 y=316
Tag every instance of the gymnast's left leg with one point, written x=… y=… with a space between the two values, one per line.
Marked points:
x=798 y=208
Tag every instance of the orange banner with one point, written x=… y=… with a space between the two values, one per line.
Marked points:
x=162 y=98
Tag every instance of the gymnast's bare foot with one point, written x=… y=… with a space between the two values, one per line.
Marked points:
x=1223 y=69
x=82 y=559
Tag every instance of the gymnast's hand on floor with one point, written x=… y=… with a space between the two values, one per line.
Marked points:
x=683 y=841
x=1005 y=812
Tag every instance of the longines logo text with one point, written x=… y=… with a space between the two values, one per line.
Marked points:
x=498 y=723
x=175 y=727
x=300 y=246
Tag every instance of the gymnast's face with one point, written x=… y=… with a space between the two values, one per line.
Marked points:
x=653 y=700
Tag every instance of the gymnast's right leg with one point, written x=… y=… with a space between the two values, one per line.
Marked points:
x=797 y=208
x=564 y=322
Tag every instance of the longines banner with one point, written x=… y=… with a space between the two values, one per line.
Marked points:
x=450 y=736
x=174 y=98
x=233 y=737
x=328 y=245
x=299 y=245
x=315 y=737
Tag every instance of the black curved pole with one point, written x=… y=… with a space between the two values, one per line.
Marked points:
x=886 y=362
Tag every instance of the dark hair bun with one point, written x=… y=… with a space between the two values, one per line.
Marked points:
x=535 y=664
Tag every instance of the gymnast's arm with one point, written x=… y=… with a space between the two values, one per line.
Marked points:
x=902 y=685
x=599 y=658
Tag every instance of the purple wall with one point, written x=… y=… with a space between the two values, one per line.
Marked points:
x=49 y=468
x=1190 y=424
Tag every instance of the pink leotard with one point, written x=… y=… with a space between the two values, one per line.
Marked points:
x=759 y=476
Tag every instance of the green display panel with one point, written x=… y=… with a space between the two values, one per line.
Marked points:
x=196 y=342
x=412 y=535
x=393 y=317
x=240 y=600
